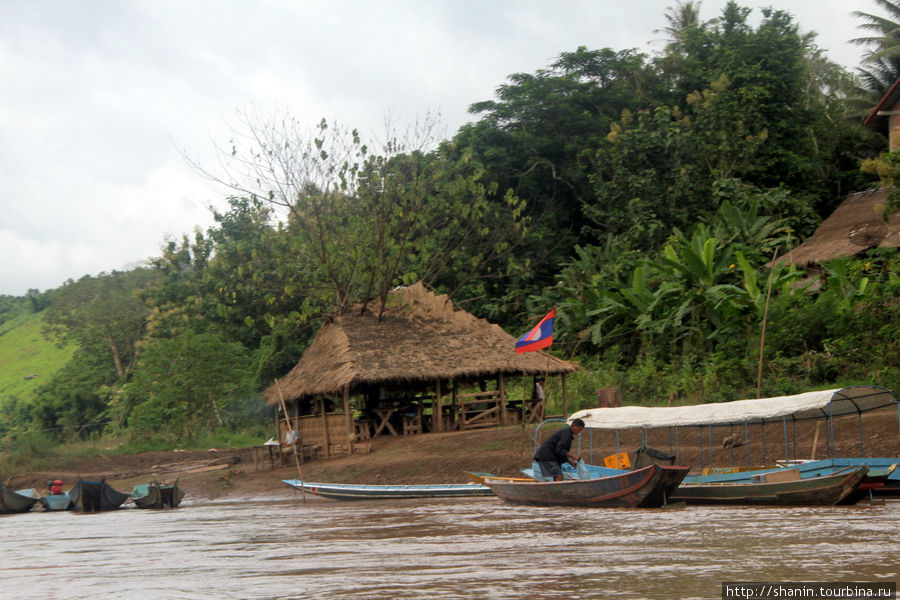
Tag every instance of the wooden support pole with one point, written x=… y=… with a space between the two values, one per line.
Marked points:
x=348 y=420
x=325 y=428
x=503 y=419
x=565 y=396
x=437 y=411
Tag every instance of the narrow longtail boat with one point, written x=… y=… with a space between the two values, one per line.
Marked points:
x=882 y=478
x=156 y=495
x=350 y=491
x=827 y=490
x=95 y=496
x=645 y=488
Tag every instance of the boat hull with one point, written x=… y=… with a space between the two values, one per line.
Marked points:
x=95 y=496
x=346 y=491
x=56 y=502
x=827 y=490
x=154 y=495
x=631 y=489
x=13 y=502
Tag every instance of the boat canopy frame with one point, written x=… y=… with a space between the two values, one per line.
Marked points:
x=824 y=404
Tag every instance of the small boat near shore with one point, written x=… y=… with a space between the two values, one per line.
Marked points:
x=642 y=488
x=95 y=496
x=56 y=502
x=15 y=502
x=156 y=495
x=351 y=491
x=778 y=489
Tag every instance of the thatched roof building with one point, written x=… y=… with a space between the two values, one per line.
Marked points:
x=855 y=226
x=426 y=365
x=422 y=337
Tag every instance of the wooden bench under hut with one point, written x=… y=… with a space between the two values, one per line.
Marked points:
x=424 y=366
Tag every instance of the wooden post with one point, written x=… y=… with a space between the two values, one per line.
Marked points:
x=348 y=419
x=503 y=419
x=453 y=395
x=325 y=428
x=437 y=411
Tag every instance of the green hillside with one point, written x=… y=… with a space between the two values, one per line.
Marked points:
x=25 y=352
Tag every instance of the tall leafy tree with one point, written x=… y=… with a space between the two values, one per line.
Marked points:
x=76 y=401
x=537 y=137
x=365 y=218
x=183 y=384
x=105 y=309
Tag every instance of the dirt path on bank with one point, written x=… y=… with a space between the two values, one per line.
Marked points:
x=442 y=457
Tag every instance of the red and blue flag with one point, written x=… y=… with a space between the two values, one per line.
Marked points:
x=541 y=336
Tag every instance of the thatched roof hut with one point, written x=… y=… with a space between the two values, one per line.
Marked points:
x=422 y=337
x=855 y=226
x=434 y=365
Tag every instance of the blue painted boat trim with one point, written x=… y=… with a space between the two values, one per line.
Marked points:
x=350 y=491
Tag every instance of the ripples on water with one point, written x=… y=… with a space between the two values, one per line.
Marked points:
x=446 y=549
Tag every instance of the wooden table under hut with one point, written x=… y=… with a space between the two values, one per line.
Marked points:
x=423 y=366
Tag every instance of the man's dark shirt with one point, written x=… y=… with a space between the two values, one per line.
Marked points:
x=556 y=447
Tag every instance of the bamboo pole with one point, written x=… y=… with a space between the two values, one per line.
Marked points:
x=762 y=338
x=348 y=420
x=503 y=419
x=812 y=456
x=437 y=411
x=290 y=428
x=325 y=428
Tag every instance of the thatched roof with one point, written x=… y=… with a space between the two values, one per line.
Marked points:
x=856 y=225
x=422 y=337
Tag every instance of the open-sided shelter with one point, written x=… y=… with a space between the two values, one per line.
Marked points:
x=424 y=365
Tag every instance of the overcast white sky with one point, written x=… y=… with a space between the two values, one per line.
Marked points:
x=98 y=97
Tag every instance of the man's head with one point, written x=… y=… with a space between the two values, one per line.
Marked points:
x=577 y=426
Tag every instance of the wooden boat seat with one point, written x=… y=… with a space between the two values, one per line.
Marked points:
x=785 y=475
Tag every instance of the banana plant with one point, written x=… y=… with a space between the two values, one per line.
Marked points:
x=846 y=290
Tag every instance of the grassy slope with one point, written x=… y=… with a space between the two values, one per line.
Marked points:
x=24 y=351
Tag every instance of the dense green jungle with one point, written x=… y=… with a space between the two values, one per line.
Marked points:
x=646 y=196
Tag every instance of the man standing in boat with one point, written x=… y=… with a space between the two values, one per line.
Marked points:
x=557 y=450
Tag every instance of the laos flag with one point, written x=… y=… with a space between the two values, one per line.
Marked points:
x=539 y=337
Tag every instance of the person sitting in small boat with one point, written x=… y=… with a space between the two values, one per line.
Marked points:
x=56 y=488
x=557 y=450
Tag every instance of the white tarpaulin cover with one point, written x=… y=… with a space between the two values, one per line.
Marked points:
x=811 y=405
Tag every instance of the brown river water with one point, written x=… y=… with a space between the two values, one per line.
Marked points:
x=441 y=548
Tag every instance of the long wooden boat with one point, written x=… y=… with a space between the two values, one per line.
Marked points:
x=672 y=478
x=14 y=502
x=630 y=489
x=94 y=496
x=350 y=491
x=827 y=490
x=882 y=478
x=156 y=495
